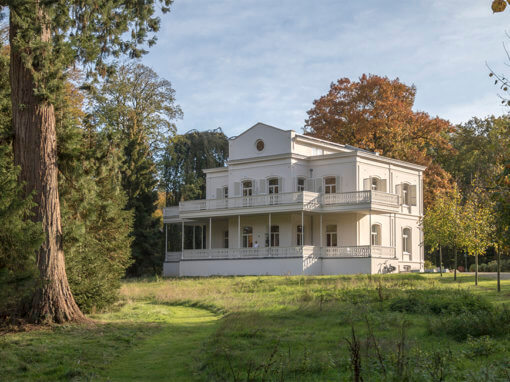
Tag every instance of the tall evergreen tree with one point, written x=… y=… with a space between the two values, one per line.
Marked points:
x=136 y=108
x=46 y=39
x=96 y=225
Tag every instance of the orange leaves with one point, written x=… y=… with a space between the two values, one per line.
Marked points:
x=375 y=113
x=498 y=6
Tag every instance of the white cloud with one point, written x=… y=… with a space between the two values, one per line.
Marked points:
x=234 y=63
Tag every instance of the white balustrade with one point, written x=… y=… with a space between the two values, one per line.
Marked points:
x=307 y=200
x=283 y=252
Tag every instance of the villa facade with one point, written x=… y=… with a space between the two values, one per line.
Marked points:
x=288 y=203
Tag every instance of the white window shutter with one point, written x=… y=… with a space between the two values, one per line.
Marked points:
x=338 y=184
x=398 y=191
x=367 y=184
x=219 y=193
x=309 y=185
x=237 y=189
x=294 y=182
x=281 y=184
x=412 y=195
x=384 y=185
x=318 y=185
x=262 y=186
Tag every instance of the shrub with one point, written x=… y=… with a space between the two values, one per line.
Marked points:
x=440 y=302
x=495 y=322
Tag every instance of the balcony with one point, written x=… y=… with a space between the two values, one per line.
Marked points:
x=289 y=201
x=283 y=252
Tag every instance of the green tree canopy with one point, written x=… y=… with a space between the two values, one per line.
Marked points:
x=184 y=159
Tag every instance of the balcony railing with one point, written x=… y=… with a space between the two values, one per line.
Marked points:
x=282 y=252
x=305 y=200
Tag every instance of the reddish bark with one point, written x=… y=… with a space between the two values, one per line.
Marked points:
x=35 y=151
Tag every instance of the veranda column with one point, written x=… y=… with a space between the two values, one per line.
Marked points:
x=320 y=231
x=238 y=231
x=210 y=233
x=269 y=234
x=302 y=229
x=182 y=239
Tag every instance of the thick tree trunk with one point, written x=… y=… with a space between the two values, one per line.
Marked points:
x=35 y=150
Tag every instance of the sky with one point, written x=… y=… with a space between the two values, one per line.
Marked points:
x=234 y=63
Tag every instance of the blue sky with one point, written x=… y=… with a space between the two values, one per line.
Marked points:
x=237 y=62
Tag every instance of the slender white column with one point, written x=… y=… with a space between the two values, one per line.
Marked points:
x=210 y=233
x=182 y=239
x=269 y=231
x=303 y=228
x=238 y=231
x=320 y=231
x=370 y=229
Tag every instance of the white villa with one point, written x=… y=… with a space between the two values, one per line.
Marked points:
x=290 y=204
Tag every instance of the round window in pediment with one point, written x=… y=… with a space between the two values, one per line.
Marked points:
x=259 y=144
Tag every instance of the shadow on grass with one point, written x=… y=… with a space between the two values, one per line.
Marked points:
x=138 y=342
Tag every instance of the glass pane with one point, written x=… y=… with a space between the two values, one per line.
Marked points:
x=331 y=228
x=330 y=180
x=247 y=230
x=273 y=182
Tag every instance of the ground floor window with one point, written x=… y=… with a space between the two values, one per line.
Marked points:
x=331 y=235
x=299 y=235
x=247 y=237
x=376 y=234
x=406 y=241
x=225 y=239
x=275 y=236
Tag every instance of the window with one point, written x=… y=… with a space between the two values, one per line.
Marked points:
x=225 y=192
x=405 y=194
x=331 y=236
x=247 y=188
x=275 y=236
x=247 y=237
x=375 y=184
x=300 y=184
x=225 y=239
x=274 y=186
x=259 y=144
x=330 y=185
x=299 y=239
x=376 y=234
x=406 y=241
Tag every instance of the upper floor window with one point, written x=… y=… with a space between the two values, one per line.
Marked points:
x=247 y=188
x=259 y=144
x=331 y=235
x=274 y=186
x=375 y=184
x=225 y=192
x=405 y=194
x=225 y=239
x=300 y=184
x=376 y=234
x=406 y=241
x=330 y=185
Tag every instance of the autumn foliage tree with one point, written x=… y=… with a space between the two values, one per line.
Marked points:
x=376 y=114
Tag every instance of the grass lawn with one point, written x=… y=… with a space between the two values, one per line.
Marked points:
x=394 y=328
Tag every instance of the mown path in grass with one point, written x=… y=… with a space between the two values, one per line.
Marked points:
x=171 y=353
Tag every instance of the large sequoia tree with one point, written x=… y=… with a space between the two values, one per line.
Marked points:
x=46 y=39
